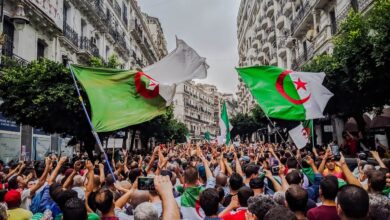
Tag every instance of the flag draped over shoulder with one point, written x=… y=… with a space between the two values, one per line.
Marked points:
x=287 y=94
x=119 y=98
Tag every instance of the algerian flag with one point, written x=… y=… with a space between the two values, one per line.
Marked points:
x=224 y=126
x=286 y=94
x=189 y=203
x=119 y=98
x=299 y=136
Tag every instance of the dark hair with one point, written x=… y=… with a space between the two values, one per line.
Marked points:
x=133 y=174
x=74 y=209
x=377 y=180
x=354 y=201
x=191 y=175
x=256 y=183
x=104 y=200
x=260 y=205
x=296 y=198
x=281 y=213
x=235 y=181
x=64 y=196
x=329 y=186
x=294 y=177
x=221 y=179
x=13 y=183
x=221 y=193
x=292 y=163
x=251 y=169
x=244 y=193
x=209 y=201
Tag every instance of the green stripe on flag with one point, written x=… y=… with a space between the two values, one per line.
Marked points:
x=225 y=119
x=261 y=81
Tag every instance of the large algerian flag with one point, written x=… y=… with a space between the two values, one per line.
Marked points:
x=287 y=94
x=119 y=98
x=224 y=126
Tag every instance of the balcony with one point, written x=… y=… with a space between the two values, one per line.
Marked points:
x=287 y=7
x=271 y=36
x=266 y=47
x=117 y=8
x=302 y=17
x=71 y=38
x=262 y=57
x=256 y=44
x=260 y=34
x=281 y=21
x=303 y=57
x=266 y=22
x=274 y=61
x=87 y=48
x=270 y=10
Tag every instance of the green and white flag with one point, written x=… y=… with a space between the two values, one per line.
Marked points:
x=224 y=126
x=287 y=94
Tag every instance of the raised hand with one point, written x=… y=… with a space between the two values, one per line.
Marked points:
x=89 y=165
x=63 y=159
x=77 y=166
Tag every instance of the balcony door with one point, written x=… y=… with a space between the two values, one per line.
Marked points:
x=8 y=31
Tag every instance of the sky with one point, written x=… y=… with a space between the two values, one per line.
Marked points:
x=208 y=26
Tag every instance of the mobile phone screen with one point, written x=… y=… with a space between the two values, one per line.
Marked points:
x=145 y=183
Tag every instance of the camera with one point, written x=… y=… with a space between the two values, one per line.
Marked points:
x=362 y=156
x=145 y=183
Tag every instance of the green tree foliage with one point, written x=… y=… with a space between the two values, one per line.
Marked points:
x=358 y=71
x=246 y=124
x=42 y=95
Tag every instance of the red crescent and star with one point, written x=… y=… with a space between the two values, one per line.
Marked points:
x=300 y=85
x=141 y=88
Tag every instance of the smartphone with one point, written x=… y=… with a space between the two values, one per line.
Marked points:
x=145 y=183
x=335 y=150
x=275 y=170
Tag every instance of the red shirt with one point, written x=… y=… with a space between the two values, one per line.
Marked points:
x=237 y=215
x=323 y=213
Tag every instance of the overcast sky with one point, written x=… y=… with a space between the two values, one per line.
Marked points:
x=208 y=26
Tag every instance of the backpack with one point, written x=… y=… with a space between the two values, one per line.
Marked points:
x=42 y=200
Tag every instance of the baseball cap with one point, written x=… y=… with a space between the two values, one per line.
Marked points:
x=12 y=198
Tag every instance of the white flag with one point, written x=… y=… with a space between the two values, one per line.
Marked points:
x=299 y=136
x=180 y=65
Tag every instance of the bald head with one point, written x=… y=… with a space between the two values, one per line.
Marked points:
x=138 y=197
x=221 y=179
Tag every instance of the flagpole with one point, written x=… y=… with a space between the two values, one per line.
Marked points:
x=312 y=132
x=94 y=133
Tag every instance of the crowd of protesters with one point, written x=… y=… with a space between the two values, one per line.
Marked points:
x=199 y=181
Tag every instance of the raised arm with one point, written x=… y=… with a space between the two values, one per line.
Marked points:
x=43 y=178
x=76 y=169
x=121 y=202
x=54 y=174
x=347 y=172
x=102 y=176
x=376 y=156
x=323 y=162
x=238 y=165
x=164 y=187
x=276 y=185
x=283 y=178
x=152 y=159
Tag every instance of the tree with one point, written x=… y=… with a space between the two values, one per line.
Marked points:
x=243 y=125
x=42 y=95
x=358 y=71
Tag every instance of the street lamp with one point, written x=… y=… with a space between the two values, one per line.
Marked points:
x=19 y=18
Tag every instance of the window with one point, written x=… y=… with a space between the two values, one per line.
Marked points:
x=8 y=31
x=41 y=45
x=333 y=23
x=107 y=52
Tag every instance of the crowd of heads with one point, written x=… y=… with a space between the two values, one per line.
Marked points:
x=259 y=181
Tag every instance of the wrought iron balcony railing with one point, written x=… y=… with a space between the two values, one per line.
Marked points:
x=71 y=35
